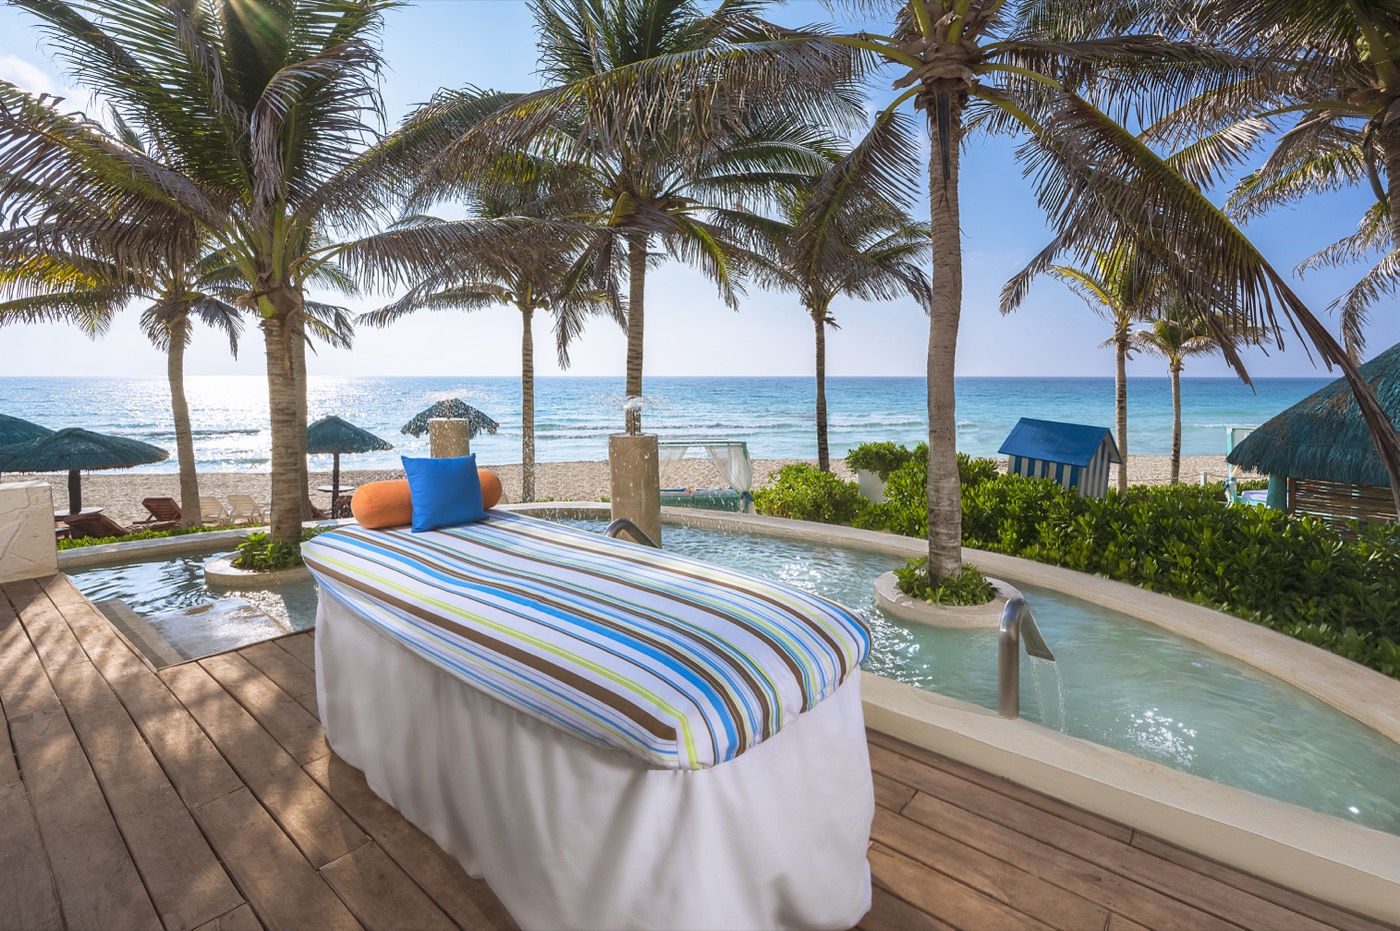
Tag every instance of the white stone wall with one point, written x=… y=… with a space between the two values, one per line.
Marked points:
x=27 y=547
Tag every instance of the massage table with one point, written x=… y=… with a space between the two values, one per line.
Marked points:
x=611 y=736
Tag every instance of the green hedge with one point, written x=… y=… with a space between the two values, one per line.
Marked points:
x=1292 y=574
x=804 y=492
x=80 y=542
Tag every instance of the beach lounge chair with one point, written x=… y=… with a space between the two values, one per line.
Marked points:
x=341 y=506
x=244 y=510
x=97 y=525
x=212 y=512
x=165 y=514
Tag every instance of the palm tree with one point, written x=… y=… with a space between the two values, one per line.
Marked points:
x=533 y=275
x=1118 y=287
x=1175 y=336
x=90 y=293
x=843 y=236
x=1382 y=279
x=658 y=166
x=260 y=111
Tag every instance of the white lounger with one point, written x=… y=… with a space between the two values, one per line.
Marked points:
x=568 y=829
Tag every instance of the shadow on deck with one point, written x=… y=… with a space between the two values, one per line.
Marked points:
x=205 y=796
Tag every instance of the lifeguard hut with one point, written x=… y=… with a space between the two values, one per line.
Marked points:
x=1073 y=454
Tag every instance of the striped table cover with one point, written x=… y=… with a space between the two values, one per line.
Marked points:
x=679 y=662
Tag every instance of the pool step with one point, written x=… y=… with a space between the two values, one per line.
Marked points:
x=140 y=634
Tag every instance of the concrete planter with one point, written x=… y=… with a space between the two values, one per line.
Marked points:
x=896 y=603
x=221 y=573
x=871 y=486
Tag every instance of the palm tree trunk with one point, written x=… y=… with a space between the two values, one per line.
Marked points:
x=1120 y=402
x=1176 y=422
x=1390 y=145
x=297 y=337
x=944 y=492
x=180 y=411
x=288 y=489
x=823 y=453
x=636 y=323
x=527 y=405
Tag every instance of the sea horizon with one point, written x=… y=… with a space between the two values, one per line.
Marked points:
x=773 y=414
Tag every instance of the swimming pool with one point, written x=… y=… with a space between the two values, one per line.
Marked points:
x=1118 y=681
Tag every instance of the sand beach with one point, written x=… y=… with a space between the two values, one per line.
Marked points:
x=120 y=493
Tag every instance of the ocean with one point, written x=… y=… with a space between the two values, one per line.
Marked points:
x=574 y=415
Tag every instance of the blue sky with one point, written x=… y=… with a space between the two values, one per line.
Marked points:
x=490 y=43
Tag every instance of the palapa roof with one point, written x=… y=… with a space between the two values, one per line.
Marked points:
x=1323 y=437
x=76 y=448
x=452 y=409
x=331 y=435
x=1053 y=441
x=15 y=430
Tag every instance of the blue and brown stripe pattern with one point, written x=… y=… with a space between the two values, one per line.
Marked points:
x=679 y=662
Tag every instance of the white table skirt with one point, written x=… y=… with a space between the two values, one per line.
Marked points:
x=572 y=835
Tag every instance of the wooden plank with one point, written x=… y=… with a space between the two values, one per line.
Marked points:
x=53 y=641
x=380 y=894
x=935 y=894
x=890 y=794
x=1295 y=901
x=309 y=817
x=1004 y=787
x=993 y=878
x=291 y=675
x=98 y=885
x=283 y=889
x=278 y=713
x=24 y=686
x=311 y=704
x=1207 y=894
x=302 y=646
x=889 y=913
x=1065 y=870
x=240 y=919
x=27 y=895
x=1119 y=923
x=196 y=769
x=181 y=874
x=469 y=902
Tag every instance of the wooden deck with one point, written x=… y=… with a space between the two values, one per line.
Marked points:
x=204 y=796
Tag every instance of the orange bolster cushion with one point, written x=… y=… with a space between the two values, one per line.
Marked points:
x=377 y=505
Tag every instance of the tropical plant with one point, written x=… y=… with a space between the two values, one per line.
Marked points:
x=85 y=291
x=843 y=236
x=1382 y=280
x=662 y=155
x=969 y=587
x=803 y=492
x=1120 y=287
x=1175 y=336
x=530 y=272
x=260 y=111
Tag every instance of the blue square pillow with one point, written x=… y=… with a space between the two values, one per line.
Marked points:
x=445 y=492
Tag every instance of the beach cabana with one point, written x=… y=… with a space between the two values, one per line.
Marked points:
x=16 y=430
x=75 y=450
x=1323 y=451
x=332 y=436
x=731 y=461
x=451 y=409
x=1074 y=455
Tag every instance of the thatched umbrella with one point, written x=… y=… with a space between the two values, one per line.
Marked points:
x=1323 y=437
x=333 y=436
x=14 y=430
x=74 y=450
x=452 y=409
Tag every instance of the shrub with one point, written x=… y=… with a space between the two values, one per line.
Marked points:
x=968 y=587
x=259 y=554
x=804 y=492
x=882 y=458
x=79 y=543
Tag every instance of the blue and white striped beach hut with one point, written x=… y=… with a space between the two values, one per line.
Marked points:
x=1075 y=455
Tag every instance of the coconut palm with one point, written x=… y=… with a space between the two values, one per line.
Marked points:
x=533 y=275
x=260 y=110
x=656 y=164
x=1176 y=335
x=89 y=293
x=843 y=236
x=1119 y=287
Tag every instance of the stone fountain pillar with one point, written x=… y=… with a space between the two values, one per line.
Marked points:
x=449 y=438
x=635 y=465
x=27 y=549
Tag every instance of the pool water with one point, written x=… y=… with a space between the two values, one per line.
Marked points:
x=1117 y=681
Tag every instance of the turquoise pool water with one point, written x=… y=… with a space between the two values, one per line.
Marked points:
x=1118 y=681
